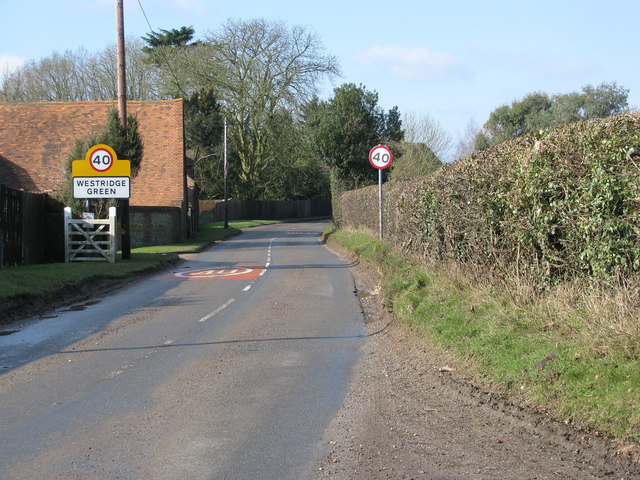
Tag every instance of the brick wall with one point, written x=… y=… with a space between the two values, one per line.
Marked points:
x=156 y=226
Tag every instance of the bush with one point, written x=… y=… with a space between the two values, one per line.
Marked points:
x=553 y=205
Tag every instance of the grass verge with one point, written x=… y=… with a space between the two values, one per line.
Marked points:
x=540 y=352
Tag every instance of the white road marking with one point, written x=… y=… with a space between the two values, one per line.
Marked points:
x=245 y=289
x=217 y=310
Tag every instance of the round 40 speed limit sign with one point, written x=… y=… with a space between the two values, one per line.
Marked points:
x=380 y=157
x=101 y=158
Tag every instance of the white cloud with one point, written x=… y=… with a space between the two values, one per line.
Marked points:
x=410 y=63
x=9 y=62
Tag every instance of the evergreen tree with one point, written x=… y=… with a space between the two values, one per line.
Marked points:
x=168 y=38
x=128 y=146
x=204 y=131
x=346 y=127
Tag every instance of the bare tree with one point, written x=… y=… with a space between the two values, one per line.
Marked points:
x=256 y=68
x=425 y=144
x=422 y=128
x=466 y=140
x=79 y=75
x=52 y=78
x=142 y=80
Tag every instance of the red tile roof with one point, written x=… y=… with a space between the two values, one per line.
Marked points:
x=36 y=138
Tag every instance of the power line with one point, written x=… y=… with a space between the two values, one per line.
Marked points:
x=165 y=60
x=145 y=16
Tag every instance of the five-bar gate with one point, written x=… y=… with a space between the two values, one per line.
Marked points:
x=90 y=240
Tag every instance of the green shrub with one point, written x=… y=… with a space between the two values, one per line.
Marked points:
x=550 y=206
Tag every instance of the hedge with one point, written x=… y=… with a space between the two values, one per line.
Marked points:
x=552 y=205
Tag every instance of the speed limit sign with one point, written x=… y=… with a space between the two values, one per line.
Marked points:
x=101 y=159
x=380 y=157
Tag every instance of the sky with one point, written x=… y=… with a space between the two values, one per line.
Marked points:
x=453 y=60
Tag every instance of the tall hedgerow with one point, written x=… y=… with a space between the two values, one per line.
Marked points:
x=552 y=205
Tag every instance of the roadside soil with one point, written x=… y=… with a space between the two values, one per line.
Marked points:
x=412 y=414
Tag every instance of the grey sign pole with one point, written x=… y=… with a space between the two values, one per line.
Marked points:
x=380 y=157
x=380 y=201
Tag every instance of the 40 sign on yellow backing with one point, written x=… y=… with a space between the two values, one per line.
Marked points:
x=101 y=174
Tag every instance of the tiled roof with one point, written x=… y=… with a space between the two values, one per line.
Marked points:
x=36 y=138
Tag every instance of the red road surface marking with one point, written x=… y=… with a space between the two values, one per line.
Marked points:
x=236 y=272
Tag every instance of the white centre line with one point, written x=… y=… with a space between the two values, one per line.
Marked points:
x=268 y=264
x=245 y=289
x=217 y=310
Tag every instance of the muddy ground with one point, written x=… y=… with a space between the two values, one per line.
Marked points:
x=412 y=414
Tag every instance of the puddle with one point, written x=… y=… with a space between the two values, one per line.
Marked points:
x=81 y=306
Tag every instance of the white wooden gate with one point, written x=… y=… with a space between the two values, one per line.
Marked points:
x=90 y=240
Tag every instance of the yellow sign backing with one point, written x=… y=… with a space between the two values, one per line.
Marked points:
x=101 y=161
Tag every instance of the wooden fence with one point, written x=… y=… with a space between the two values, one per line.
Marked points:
x=11 y=220
x=31 y=228
x=213 y=210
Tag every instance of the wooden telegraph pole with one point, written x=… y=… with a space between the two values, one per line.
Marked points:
x=122 y=112
x=122 y=77
x=226 y=178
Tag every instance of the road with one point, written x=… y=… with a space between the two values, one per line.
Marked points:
x=229 y=366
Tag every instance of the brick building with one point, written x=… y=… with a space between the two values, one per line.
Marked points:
x=36 y=138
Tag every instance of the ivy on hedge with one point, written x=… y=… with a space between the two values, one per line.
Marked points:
x=555 y=204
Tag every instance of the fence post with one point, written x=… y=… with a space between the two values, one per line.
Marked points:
x=2 y=195
x=67 y=219
x=113 y=245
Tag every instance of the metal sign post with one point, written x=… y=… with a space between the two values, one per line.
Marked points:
x=380 y=203
x=380 y=157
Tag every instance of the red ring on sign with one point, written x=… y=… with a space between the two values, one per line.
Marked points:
x=376 y=151
x=106 y=152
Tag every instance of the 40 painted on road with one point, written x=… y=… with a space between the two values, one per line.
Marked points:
x=238 y=272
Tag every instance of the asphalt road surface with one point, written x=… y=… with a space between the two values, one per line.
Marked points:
x=229 y=366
